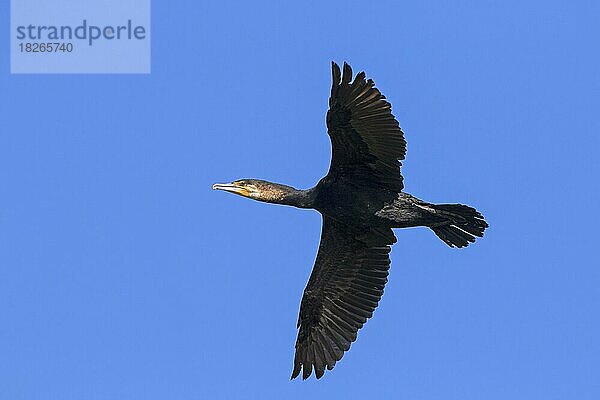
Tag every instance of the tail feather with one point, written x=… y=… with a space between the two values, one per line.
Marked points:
x=461 y=225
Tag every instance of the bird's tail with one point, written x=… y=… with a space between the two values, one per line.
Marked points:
x=462 y=223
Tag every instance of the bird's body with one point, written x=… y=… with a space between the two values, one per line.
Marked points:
x=361 y=200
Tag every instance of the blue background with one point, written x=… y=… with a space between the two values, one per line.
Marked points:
x=123 y=275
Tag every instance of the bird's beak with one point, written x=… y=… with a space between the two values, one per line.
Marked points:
x=232 y=188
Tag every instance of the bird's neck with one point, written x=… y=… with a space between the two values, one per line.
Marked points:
x=289 y=196
x=299 y=198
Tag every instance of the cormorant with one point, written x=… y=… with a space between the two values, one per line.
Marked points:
x=360 y=200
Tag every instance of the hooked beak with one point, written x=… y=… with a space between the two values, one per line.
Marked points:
x=232 y=188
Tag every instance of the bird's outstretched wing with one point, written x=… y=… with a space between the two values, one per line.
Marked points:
x=365 y=137
x=344 y=289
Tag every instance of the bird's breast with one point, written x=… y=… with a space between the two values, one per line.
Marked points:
x=343 y=202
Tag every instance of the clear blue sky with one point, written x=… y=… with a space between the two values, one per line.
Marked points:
x=124 y=276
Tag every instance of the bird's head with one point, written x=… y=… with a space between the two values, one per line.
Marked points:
x=256 y=189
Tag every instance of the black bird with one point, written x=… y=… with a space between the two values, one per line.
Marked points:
x=360 y=200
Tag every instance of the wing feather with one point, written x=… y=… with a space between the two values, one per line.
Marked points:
x=366 y=139
x=343 y=290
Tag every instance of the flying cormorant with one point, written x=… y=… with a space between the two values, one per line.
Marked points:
x=360 y=200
